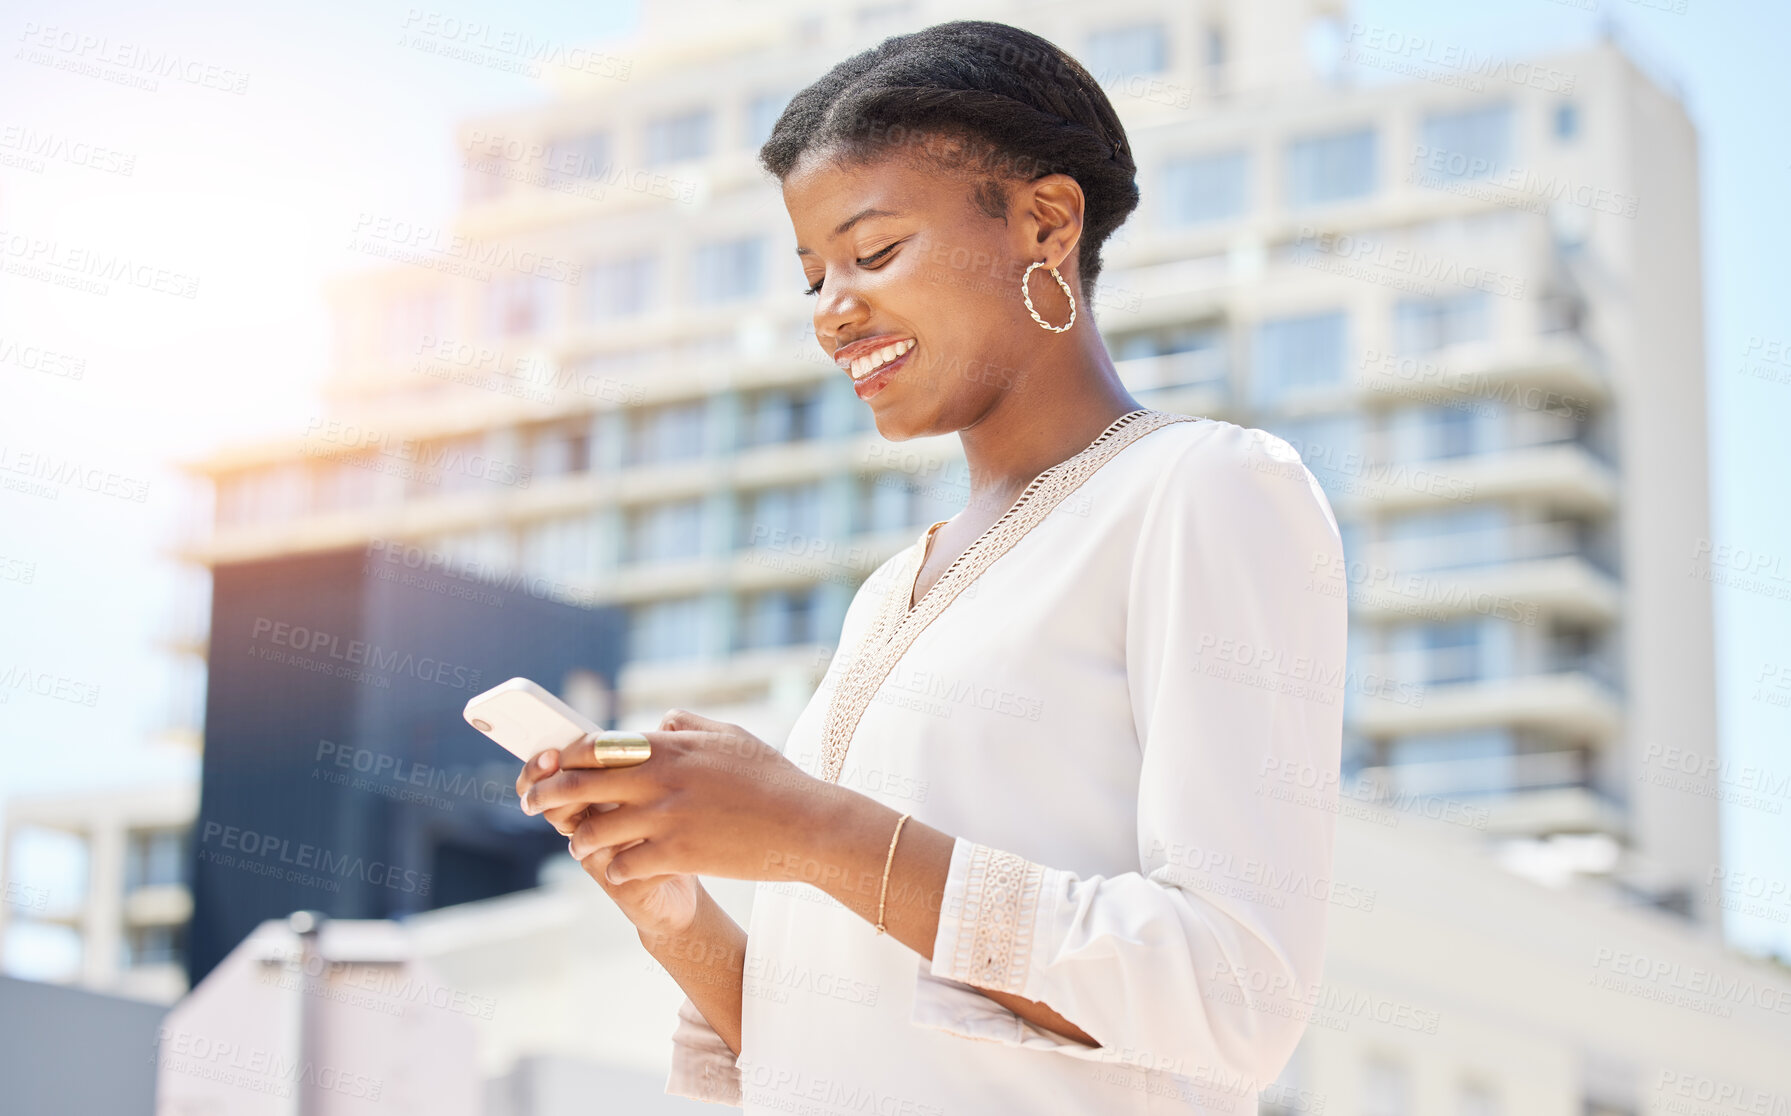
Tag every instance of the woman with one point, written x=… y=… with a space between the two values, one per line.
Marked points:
x=1031 y=846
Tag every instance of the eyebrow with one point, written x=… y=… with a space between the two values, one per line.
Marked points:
x=847 y=224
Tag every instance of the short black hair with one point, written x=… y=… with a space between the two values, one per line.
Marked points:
x=977 y=95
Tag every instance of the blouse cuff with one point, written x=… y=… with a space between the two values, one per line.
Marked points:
x=703 y=1066
x=989 y=928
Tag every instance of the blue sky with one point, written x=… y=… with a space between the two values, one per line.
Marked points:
x=252 y=192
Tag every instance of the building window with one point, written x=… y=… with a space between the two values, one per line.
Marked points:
x=518 y=306
x=778 y=618
x=1438 y=433
x=728 y=270
x=761 y=116
x=1179 y=356
x=556 y=449
x=412 y=321
x=1331 y=168
x=619 y=288
x=664 y=532
x=899 y=502
x=571 y=158
x=1386 y=1089
x=154 y=858
x=1470 y=144
x=561 y=549
x=676 y=432
x=1567 y=121
x=1477 y=1100
x=1330 y=447
x=662 y=630
x=780 y=415
x=674 y=139
x=1204 y=188
x=1461 y=538
x=1453 y=651
x=1117 y=53
x=1424 y=325
x=154 y=945
x=779 y=517
x=1298 y=353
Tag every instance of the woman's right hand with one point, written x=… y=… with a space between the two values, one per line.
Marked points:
x=657 y=905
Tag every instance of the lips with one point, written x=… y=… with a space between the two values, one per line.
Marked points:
x=864 y=358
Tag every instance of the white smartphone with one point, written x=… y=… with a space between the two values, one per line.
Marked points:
x=526 y=720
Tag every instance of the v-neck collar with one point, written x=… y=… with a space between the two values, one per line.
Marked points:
x=896 y=624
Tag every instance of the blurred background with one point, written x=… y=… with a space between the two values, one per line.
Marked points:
x=357 y=357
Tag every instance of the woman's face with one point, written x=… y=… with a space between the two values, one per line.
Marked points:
x=911 y=271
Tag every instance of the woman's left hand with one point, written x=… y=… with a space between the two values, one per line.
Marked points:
x=713 y=799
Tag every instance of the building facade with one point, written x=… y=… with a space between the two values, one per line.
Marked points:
x=1465 y=287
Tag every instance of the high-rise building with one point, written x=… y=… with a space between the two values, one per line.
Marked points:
x=1465 y=286
x=1470 y=300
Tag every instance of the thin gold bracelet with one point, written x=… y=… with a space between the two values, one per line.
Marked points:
x=883 y=892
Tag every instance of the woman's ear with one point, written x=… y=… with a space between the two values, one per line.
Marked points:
x=1053 y=207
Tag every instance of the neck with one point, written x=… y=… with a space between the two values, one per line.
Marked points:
x=1064 y=403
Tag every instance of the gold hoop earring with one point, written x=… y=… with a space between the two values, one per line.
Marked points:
x=1027 y=295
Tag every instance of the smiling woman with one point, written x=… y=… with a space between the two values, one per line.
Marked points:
x=1034 y=858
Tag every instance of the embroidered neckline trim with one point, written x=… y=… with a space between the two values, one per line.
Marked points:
x=896 y=626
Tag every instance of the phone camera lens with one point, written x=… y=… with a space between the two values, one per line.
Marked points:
x=482 y=726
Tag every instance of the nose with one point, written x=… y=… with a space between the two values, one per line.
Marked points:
x=838 y=309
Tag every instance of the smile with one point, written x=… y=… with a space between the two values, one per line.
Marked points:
x=870 y=362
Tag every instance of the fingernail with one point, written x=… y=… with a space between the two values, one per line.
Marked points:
x=610 y=873
x=569 y=849
x=542 y=761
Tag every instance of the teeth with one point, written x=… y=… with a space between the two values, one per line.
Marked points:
x=869 y=363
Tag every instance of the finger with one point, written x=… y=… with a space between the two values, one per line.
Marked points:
x=611 y=828
x=565 y=819
x=590 y=751
x=544 y=764
x=585 y=787
x=643 y=861
x=685 y=720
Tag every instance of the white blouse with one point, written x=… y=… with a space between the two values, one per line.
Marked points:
x=1125 y=700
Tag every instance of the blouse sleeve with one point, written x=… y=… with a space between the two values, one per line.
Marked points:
x=1206 y=960
x=703 y=1066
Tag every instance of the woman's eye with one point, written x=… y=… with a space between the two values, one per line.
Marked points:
x=863 y=261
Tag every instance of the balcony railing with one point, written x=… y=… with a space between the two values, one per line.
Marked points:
x=1484 y=775
x=1490 y=546
x=1194 y=368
